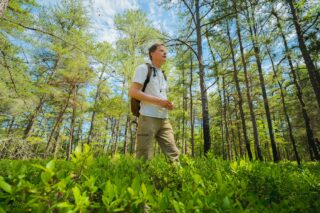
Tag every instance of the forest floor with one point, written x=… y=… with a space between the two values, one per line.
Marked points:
x=124 y=184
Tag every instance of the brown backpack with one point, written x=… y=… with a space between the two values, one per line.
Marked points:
x=135 y=104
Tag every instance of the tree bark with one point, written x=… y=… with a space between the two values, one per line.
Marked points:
x=96 y=97
x=116 y=134
x=240 y=101
x=33 y=117
x=41 y=102
x=299 y=93
x=221 y=118
x=229 y=121
x=204 y=96
x=56 y=142
x=58 y=121
x=225 y=118
x=184 y=102
x=253 y=35
x=79 y=133
x=125 y=146
x=313 y=74
x=249 y=100
x=10 y=126
x=191 y=107
x=285 y=111
x=72 y=123
x=242 y=152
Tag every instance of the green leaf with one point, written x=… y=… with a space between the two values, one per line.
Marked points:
x=178 y=206
x=46 y=177
x=197 y=179
x=64 y=205
x=5 y=186
x=39 y=167
x=51 y=165
x=131 y=192
x=226 y=203
x=136 y=184
x=2 y=210
x=82 y=200
x=144 y=189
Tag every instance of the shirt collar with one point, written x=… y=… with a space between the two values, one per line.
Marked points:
x=154 y=66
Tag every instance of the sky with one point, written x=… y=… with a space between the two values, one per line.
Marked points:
x=103 y=12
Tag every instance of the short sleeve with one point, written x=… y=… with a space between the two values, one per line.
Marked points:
x=140 y=74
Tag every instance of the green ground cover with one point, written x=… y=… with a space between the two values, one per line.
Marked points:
x=124 y=184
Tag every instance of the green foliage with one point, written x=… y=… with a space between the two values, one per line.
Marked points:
x=124 y=184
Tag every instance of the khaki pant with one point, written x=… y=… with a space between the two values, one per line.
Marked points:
x=160 y=129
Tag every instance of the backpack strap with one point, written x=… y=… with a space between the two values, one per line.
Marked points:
x=148 y=77
x=164 y=75
x=150 y=67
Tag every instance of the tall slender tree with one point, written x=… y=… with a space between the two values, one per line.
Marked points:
x=239 y=98
x=254 y=39
x=313 y=74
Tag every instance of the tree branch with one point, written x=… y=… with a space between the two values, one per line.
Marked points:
x=192 y=14
x=53 y=35
x=218 y=19
x=185 y=43
x=313 y=23
x=207 y=12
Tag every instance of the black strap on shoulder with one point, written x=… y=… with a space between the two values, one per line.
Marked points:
x=164 y=75
x=148 y=76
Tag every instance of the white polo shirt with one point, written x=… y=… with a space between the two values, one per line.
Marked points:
x=157 y=86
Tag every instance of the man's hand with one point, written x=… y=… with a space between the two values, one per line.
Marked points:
x=135 y=92
x=166 y=104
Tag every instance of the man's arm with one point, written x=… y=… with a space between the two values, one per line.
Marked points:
x=135 y=92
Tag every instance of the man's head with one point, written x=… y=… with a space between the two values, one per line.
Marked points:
x=158 y=53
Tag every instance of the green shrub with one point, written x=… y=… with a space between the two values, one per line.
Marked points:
x=124 y=184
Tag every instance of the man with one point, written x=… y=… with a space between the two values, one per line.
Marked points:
x=153 y=120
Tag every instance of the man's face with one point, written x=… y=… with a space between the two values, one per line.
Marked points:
x=160 y=55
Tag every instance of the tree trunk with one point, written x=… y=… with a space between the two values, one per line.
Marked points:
x=240 y=101
x=305 y=115
x=204 y=96
x=184 y=101
x=284 y=107
x=225 y=118
x=33 y=117
x=96 y=97
x=79 y=133
x=106 y=138
x=221 y=117
x=9 y=131
x=56 y=142
x=125 y=146
x=249 y=100
x=220 y=96
x=58 y=121
x=191 y=108
x=41 y=102
x=253 y=35
x=116 y=134
x=313 y=74
x=112 y=127
x=72 y=123
x=242 y=152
